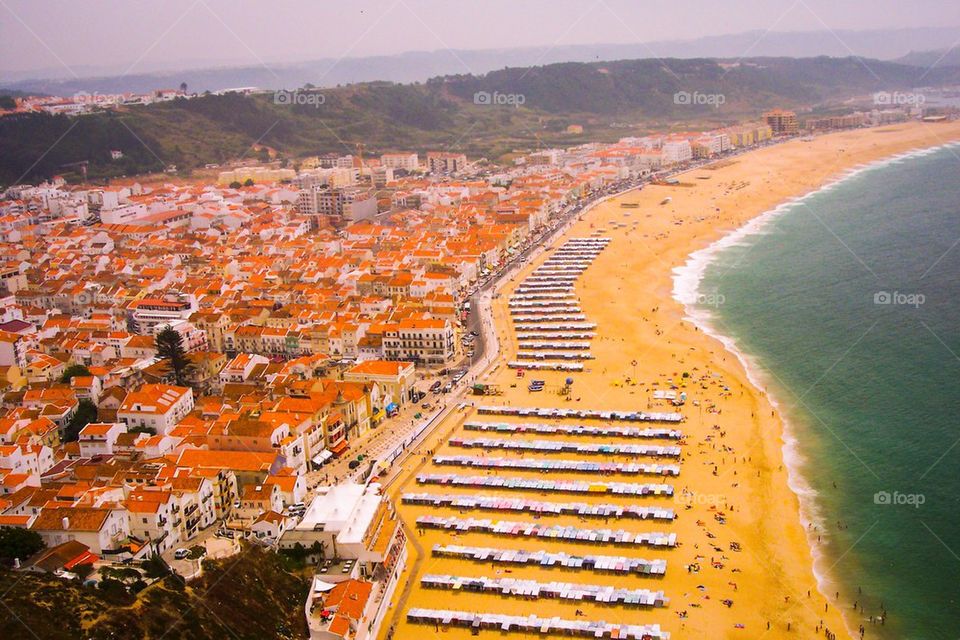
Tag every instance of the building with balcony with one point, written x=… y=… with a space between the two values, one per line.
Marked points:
x=781 y=122
x=442 y=162
x=423 y=341
x=99 y=438
x=362 y=545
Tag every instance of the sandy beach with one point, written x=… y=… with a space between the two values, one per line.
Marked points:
x=732 y=490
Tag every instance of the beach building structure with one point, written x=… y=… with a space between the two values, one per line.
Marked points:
x=782 y=122
x=676 y=151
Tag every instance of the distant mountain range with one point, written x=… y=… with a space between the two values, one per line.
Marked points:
x=939 y=58
x=418 y=66
x=491 y=115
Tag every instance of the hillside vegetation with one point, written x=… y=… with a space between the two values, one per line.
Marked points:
x=610 y=99
x=247 y=596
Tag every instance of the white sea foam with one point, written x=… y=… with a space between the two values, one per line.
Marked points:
x=687 y=281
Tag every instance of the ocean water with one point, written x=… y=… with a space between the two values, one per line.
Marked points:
x=845 y=306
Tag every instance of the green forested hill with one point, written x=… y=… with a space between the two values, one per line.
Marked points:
x=441 y=113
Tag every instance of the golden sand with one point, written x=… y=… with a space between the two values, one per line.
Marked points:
x=627 y=292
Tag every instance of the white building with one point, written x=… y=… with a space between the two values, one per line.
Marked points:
x=101 y=529
x=351 y=522
x=149 y=315
x=98 y=438
x=406 y=161
x=156 y=406
x=676 y=151
x=428 y=341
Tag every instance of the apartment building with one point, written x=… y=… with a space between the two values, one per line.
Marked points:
x=346 y=203
x=13 y=349
x=781 y=122
x=355 y=522
x=405 y=161
x=423 y=341
x=442 y=162
x=676 y=152
x=12 y=279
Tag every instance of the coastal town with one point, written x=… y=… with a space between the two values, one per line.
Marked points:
x=191 y=366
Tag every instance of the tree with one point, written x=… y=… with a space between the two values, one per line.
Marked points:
x=19 y=543
x=235 y=185
x=83 y=571
x=148 y=430
x=183 y=87
x=248 y=182
x=170 y=348
x=86 y=413
x=155 y=567
x=73 y=371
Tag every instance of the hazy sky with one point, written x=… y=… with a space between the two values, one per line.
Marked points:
x=128 y=36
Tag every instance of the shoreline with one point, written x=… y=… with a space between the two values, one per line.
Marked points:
x=649 y=336
x=688 y=281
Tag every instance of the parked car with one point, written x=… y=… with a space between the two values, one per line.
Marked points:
x=181 y=554
x=436 y=386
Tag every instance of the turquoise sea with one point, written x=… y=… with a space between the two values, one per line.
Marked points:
x=845 y=305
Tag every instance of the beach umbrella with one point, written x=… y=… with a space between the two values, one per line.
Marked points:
x=569 y=381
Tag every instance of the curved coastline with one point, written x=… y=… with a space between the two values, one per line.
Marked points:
x=687 y=291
